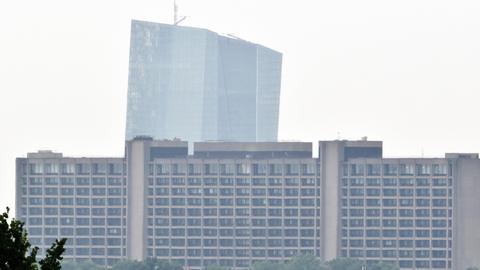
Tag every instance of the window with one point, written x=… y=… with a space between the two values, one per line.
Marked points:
x=35 y=181
x=260 y=169
x=98 y=181
x=51 y=181
x=439 y=169
x=194 y=169
x=292 y=169
x=99 y=168
x=115 y=168
x=390 y=169
x=405 y=223
x=423 y=182
x=275 y=169
x=439 y=192
x=440 y=182
x=373 y=182
x=389 y=182
x=227 y=169
x=356 y=169
x=406 y=182
x=243 y=169
x=81 y=181
x=389 y=192
x=407 y=192
x=373 y=169
x=424 y=169
x=357 y=182
x=308 y=169
x=406 y=169
x=178 y=168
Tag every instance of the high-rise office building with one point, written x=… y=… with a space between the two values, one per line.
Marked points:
x=233 y=203
x=197 y=85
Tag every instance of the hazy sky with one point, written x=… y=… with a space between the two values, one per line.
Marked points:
x=405 y=72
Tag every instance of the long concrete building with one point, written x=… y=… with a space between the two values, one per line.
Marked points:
x=234 y=203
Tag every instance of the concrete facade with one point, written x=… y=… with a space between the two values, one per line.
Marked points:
x=233 y=204
x=82 y=199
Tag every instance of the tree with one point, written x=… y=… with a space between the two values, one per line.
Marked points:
x=83 y=265
x=345 y=264
x=53 y=259
x=267 y=265
x=473 y=268
x=305 y=262
x=383 y=266
x=148 y=264
x=16 y=251
x=129 y=265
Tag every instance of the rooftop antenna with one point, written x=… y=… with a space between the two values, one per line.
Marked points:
x=177 y=20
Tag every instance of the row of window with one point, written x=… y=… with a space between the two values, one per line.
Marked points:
x=388 y=192
x=231 y=191
x=273 y=222
x=70 y=211
x=73 y=168
x=66 y=221
x=390 y=232
x=426 y=212
x=435 y=233
x=394 y=202
x=81 y=251
x=231 y=202
x=228 y=242
x=65 y=231
x=397 y=169
x=74 y=201
x=232 y=169
x=70 y=181
x=394 y=243
x=393 y=223
x=239 y=253
x=258 y=232
x=79 y=191
x=207 y=181
x=419 y=182
x=309 y=212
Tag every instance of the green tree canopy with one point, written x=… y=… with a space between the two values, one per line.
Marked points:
x=383 y=266
x=16 y=252
x=148 y=264
x=344 y=264
x=310 y=262
x=83 y=265
x=267 y=265
x=305 y=262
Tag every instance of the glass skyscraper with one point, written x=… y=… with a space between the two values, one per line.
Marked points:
x=197 y=85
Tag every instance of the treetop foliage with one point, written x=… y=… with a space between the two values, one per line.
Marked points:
x=16 y=252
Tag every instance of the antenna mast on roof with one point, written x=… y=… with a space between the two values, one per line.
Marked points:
x=176 y=20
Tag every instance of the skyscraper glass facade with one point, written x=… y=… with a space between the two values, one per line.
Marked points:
x=194 y=84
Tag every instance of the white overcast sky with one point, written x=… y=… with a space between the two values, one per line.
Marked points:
x=405 y=72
